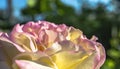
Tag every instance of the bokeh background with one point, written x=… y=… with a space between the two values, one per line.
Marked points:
x=93 y=17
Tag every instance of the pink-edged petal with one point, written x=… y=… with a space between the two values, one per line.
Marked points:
x=61 y=28
x=17 y=28
x=25 y=41
x=40 y=58
x=8 y=50
x=73 y=34
x=32 y=28
x=51 y=35
x=5 y=41
x=102 y=55
x=24 y=64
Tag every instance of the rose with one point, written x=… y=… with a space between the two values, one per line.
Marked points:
x=44 y=45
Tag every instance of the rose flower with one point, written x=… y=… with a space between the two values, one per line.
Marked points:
x=45 y=45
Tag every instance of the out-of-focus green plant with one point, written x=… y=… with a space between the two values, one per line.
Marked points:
x=114 y=52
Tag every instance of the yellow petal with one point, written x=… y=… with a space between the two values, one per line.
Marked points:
x=65 y=57
x=27 y=43
x=73 y=34
x=39 y=58
x=67 y=60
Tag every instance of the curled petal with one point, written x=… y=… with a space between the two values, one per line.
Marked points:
x=17 y=28
x=51 y=35
x=39 y=58
x=25 y=41
x=8 y=50
x=61 y=28
x=73 y=34
x=102 y=56
x=94 y=38
x=5 y=41
x=32 y=28
x=24 y=64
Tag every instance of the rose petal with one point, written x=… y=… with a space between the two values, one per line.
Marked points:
x=25 y=41
x=38 y=57
x=5 y=41
x=24 y=64
x=8 y=50
x=73 y=34
x=51 y=35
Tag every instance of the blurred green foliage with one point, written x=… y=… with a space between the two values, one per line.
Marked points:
x=97 y=21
